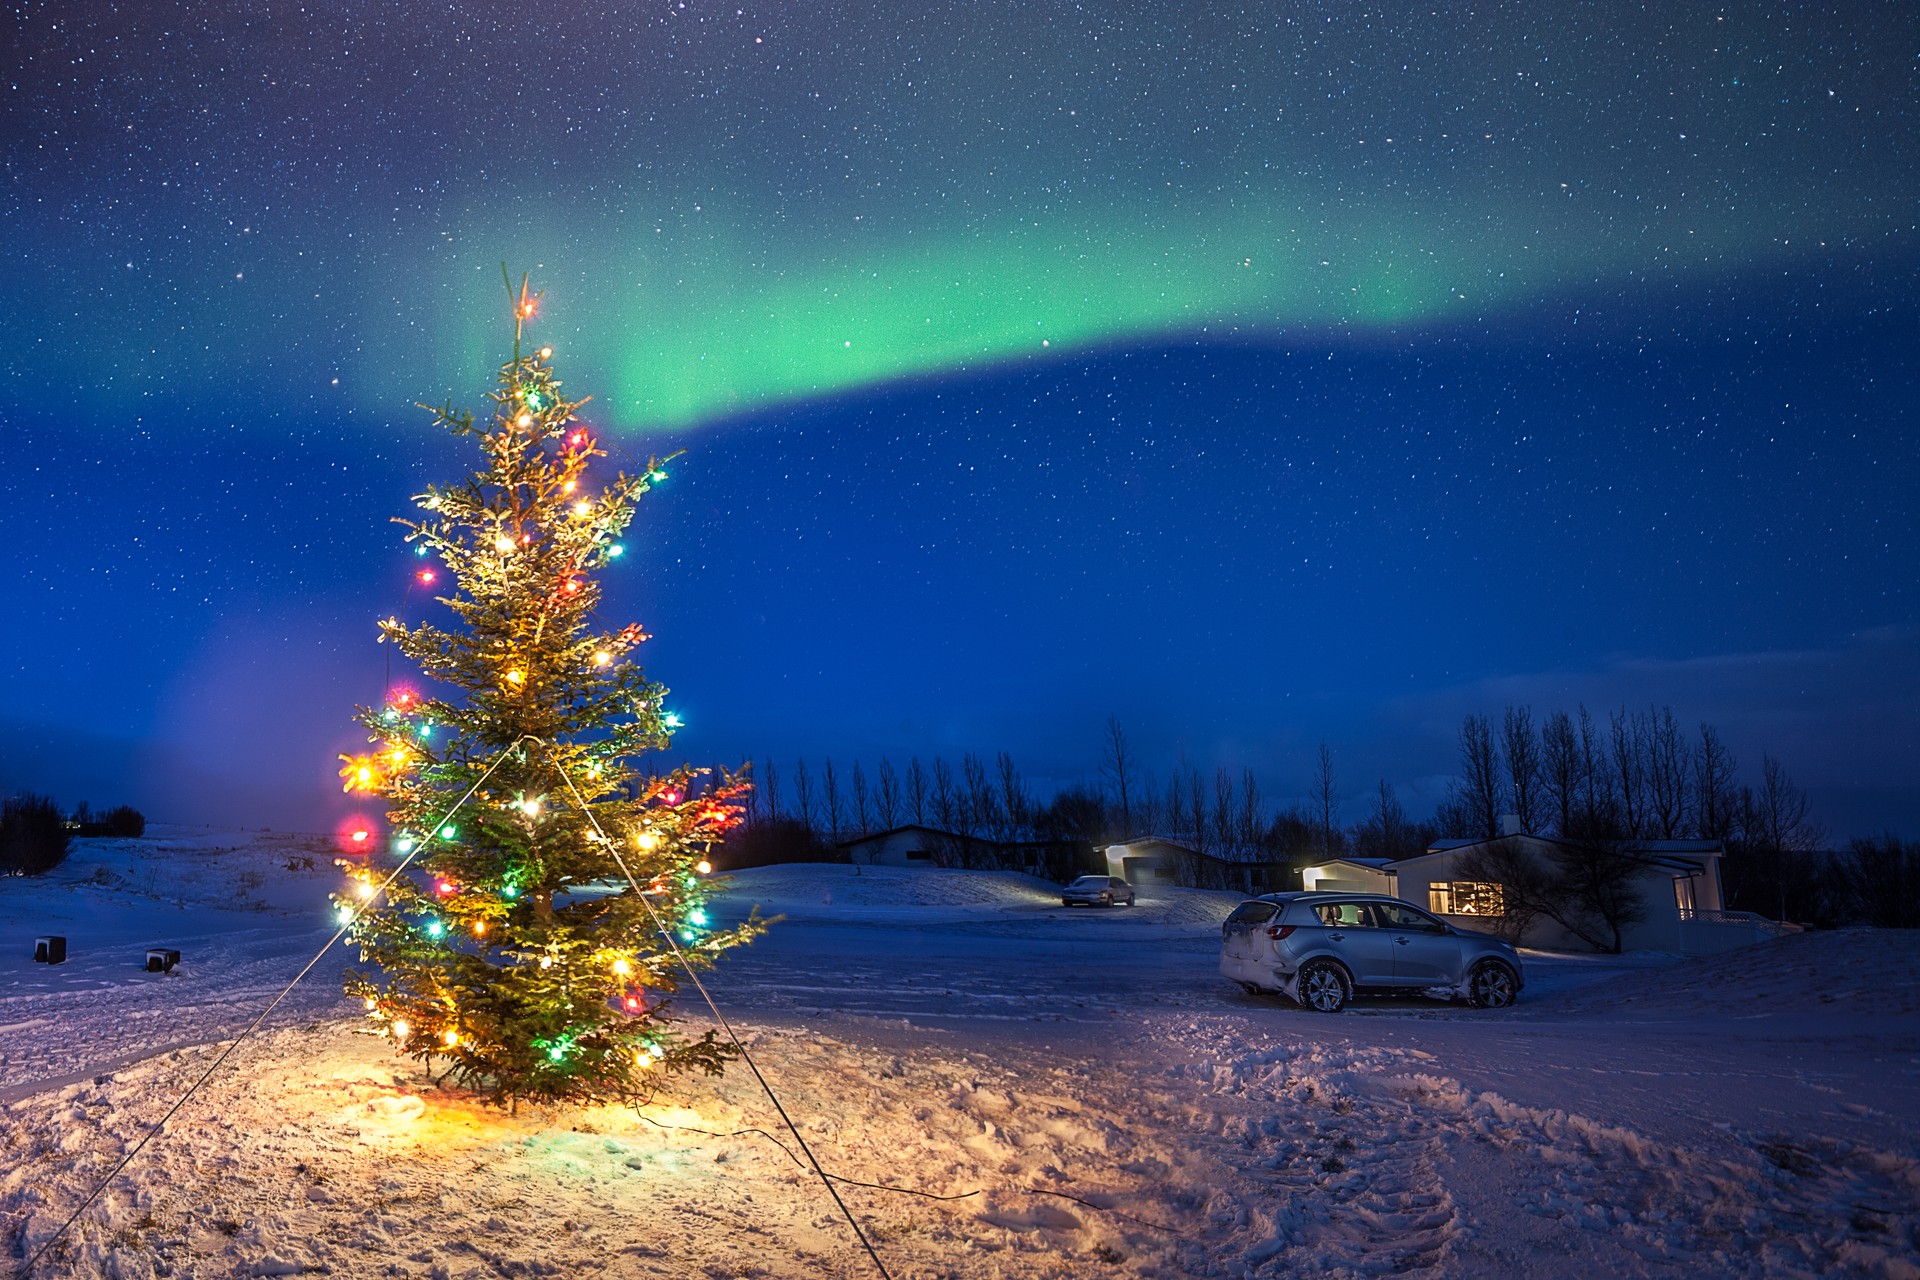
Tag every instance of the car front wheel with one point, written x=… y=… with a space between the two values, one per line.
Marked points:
x=1323 y=988
x=1492 y=985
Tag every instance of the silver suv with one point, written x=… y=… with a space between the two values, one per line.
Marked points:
x=1321 y=948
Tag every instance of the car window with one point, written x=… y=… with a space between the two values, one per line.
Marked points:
x=1114 y=882
x=1396 y=917
x=1250 y=913
x=1352 y=915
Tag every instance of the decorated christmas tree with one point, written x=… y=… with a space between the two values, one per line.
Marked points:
x=541 y=897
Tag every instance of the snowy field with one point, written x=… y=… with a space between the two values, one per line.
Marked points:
x=1100 y=1101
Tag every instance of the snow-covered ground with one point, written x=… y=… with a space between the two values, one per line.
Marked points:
x=1105 y=1103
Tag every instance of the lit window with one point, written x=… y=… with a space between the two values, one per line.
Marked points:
x=1467 y=898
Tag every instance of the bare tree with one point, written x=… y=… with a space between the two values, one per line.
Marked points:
x=1387 y=832
x=1522 y=751
x=1481 y=795
x=770 y=780
x=946 y=801
x=1560 y=771
x=1778 y=833
x=862 y=801
x=1669 y=774
x=1197 y=810
x=1225 y=830
x=1175 y=806
x=1150 y=818
x=1598 y=807
x=1715 y=804
x=1324 y=794
x=1882 y=878
x=979 y=807
x=1627 y=741
x=803 y=796
x=917 y=791
x=1015 y=802
x=1252 y=819
x=1600 y=881
x=1528 y=888
x=1118 y=771
x=887 y=797
x=833 y=804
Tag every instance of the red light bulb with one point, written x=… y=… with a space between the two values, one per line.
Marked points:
x=360 y=837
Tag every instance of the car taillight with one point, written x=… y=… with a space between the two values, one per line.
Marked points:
x=1279 y=931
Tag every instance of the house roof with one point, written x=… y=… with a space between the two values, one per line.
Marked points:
x=911 y=826
x=1370 y=864
x=1677 y=855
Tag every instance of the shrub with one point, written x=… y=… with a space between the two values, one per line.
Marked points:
x=34 y=838
x=125 y=821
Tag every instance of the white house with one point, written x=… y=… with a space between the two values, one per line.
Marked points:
x=1678 y=882
x=913 y=846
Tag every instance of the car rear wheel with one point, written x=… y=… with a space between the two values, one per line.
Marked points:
x=1492 y=985
x=1324 y=988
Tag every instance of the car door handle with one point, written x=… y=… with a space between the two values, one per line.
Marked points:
x=1336 y=937
x=1401 y=941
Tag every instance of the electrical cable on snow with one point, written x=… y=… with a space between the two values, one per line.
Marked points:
x=910 y=1191
x=826 y=1179
x=26 y=1267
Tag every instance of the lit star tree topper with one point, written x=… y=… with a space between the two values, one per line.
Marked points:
x=551 y=893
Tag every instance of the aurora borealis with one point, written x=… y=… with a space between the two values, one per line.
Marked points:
x=1547 y=351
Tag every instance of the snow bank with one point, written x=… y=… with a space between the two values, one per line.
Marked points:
x=1843 y=973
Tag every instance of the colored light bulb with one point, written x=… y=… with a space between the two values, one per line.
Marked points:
x=703 y=867
x=602 y=658
x=420 y=550
x=404 y=844
x=360 y=837
x=450 y=1039
x=516 y=677
x=503 y=544
x=622 y=968
x=615 y=551
x=401 y=1029
x=435 y=928
x=447 y=832
x=425 y=575
x=531 y=807
x=698 y=917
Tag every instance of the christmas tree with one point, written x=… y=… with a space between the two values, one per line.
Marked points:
x=542 y=897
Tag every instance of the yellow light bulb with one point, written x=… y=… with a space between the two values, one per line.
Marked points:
x=647 y=841
x=583 y=508
x=516 y=676
x=366 y=890
x=530 y=807
x=524 y=420
x=372 y=1005
x=622 y=968
x=705 y=867
x=546 y=353
x=602 y=658
x=479 y=926
x=452 y=1038
x=503 y=544
x=568 y=487
x=401 y=1029
x=546 y=962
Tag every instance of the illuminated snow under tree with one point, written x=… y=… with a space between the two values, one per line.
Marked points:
x=504 y=948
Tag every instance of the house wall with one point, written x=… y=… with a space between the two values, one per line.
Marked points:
x=1662 y=930
x=1345 y=878
x=897 y=849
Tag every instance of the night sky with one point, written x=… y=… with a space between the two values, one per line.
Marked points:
x=1318 y=370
